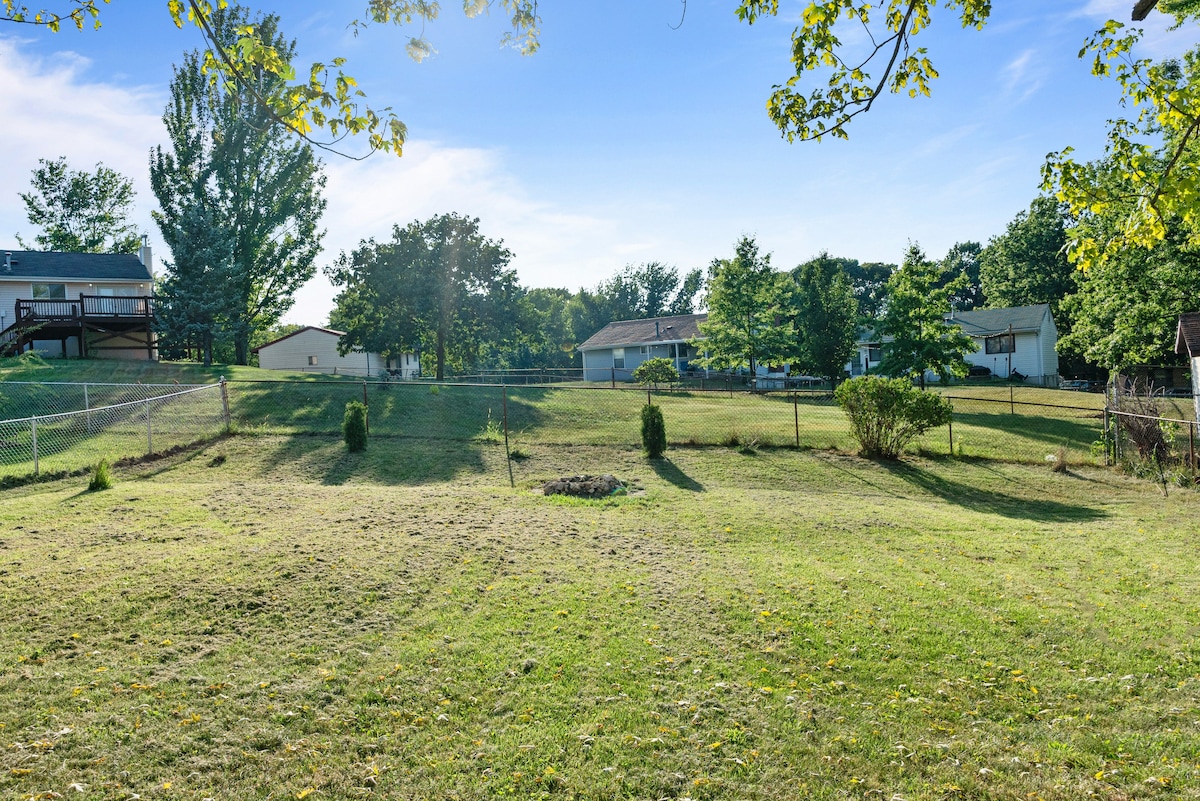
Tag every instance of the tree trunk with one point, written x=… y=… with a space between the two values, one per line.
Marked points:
x=241 y=348
x=206 y=344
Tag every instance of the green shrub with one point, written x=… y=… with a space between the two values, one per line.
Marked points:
x=888 y=413
x=354 y=426
x=101 y=477
x=656 y=371
x=654 y=431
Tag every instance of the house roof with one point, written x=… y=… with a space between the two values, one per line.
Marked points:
x=622 y=333
x=26 y=264
x=1187 y=335
x=988 y=322
x=982 y=322
x=330 y=331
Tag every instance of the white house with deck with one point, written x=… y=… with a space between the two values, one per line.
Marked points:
x=1014 y=341
x=78 y=304
x=315 y=350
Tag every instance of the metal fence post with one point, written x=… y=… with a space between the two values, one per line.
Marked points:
x=1104 y=433
x=367 y=403
x=649 y=402
x=87 y=407
x=1192 y=448
x=149 y=432
x=950 y=425
x=613 y=377
x=507 y=453
x=225 y=404
x=796 y=415
x=33 y=440
x=1012 y=407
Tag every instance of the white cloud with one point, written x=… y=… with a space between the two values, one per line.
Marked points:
x=51 y=109
x=1021 y=76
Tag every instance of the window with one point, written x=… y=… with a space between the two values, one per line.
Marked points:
x=1005 y=343
x=619 y=358
x=49 y=291
x=312 y=360
x=874 y=353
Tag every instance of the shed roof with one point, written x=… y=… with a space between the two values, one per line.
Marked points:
x=25 y=264
x=1187 y=335
x=988 y=322
x=297 y=332
x=679 y=328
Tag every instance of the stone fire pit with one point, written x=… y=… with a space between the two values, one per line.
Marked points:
x=585 y=486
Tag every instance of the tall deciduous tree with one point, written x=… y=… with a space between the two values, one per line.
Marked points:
x=438 y=287
x=1125 y=310
x=826 y=316
x=249 y=176
x=963 y=259
x=80 y=212
x=921 y=339
x=869 y=284
x=749 y=312
x=1028 y=264
x=650 y=290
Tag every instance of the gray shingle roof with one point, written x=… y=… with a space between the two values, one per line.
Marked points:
x=623 y=333
x=73 y=266
x=1187 y=335
x=987 y=322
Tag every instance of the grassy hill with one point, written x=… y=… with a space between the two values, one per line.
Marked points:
x=274 y=617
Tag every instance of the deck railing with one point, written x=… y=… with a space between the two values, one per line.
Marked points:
x=45 y=310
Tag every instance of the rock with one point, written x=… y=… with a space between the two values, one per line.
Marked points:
x=585 y=486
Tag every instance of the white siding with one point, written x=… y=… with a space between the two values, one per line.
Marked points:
x=13 y=289
x=315 y=351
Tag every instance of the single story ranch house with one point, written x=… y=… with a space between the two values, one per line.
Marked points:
x=315 y=350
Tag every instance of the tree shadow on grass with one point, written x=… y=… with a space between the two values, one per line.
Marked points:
x=668 y=471
x=388 y=461
x=990 y=502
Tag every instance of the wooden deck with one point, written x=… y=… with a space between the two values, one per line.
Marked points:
x=97 y=321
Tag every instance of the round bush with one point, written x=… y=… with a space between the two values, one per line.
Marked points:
x=888 y=413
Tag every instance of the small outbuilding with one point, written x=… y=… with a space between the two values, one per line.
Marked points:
x=1187 y=343
x=315 y=350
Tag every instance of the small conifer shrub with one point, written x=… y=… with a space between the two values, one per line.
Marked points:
x=101 y=477
x=354 y=426
x=654 y=431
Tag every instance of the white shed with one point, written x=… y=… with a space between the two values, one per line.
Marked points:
x=315 y=350
x=1187 y=343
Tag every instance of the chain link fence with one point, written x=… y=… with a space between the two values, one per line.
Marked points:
x=153 y=422
x=986 y=427
x=1009 y=424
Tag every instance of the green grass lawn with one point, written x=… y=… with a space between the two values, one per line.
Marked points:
x=274 y=617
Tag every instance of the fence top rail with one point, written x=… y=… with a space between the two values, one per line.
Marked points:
x=1120 y=413
x=98 y=384
x=1025 y=403
x=98 y=409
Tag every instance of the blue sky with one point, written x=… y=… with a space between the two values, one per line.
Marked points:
x=622 y=141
